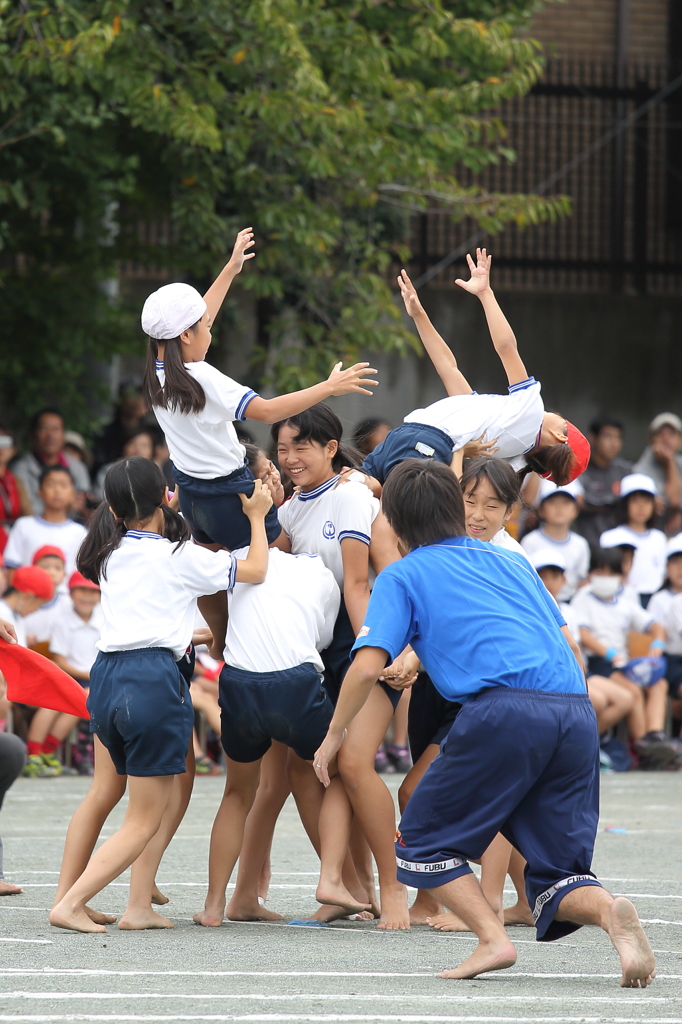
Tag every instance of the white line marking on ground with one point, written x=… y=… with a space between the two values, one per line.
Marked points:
x=334 y=1017
x=41 y=942
x=426 y=973
x=319 y=996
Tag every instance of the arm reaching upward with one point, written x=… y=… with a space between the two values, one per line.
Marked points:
x=438 y=351
x=501 y=333
x=215 y=295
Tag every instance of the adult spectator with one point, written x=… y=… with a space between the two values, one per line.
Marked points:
x=14 y=501
x=47 y=449
x=601 y=480
x=128 y=416
x=140 y=442
x=662 y=461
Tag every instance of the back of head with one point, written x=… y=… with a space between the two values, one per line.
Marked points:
x=422 y=501
x=321 y=425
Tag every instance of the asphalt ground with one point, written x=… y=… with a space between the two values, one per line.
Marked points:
x=346 y=972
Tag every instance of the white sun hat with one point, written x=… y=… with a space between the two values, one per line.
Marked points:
x=170 y=310
x=637 y=482
x=546 y=557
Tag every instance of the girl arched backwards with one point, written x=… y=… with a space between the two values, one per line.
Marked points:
x=137 y=550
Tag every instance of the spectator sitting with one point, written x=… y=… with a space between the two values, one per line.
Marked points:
x=557 y=509
x=31 y=588
x=141 y=443
x=662 y=461
x=74 y=445
x=39 y=625
x=14 y=501
x=52 y=527
x=128 y=417
x=666 y=607
x=369 y=433
x=606 y=618
x=637 y=512
x=601 y=480
x=47 y=440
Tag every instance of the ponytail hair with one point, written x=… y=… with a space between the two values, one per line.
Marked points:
x=499 y=474
x=180 y=390
x=322 y=425
x=555 y=460
x=133 y=490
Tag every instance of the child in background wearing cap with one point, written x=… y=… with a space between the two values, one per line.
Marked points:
x=637 y=510
x=52 y=527
x=39 y=625
x=526 y=436
x=666 y=607
x=196 y=405
x=557 y=509
x=606 y=616
x=31 y=587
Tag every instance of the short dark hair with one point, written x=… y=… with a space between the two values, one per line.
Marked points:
x=422 y=501
x=607 y=558
x=364 y=430
x=499 y=474
x=601 y=422
x=37 y=417
x=49 y=470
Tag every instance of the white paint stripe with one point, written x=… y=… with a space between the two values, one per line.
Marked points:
x=49 y=972
x=340 y=1018
x=40 y=942
x=446 y=996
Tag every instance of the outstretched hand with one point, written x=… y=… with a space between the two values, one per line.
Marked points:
x=477 y=447
x=344 y=382
x=412 y=304
x=479 y=281
x=239 y=255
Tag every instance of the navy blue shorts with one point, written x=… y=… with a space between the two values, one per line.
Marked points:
x=336 y=660
x=140 y=708
x=291 y=707
x=430 y=716
x=402 y=444
x=673 y=674
x=599 y=666
x=523 y=763
x=214 y=511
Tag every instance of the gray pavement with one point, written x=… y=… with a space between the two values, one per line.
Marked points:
x=346 y=972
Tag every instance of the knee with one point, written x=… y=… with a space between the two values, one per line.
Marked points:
x=354 y=765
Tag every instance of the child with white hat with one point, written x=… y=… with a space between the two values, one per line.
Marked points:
x=638 y=512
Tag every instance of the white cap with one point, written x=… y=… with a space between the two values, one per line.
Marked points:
x=547 y=489
x=665 y=419
x=171 y=310
x=674 y=546
x=547 y=556
x=637 y=482
x=620 y=535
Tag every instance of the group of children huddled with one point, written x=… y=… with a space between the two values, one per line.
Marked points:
x=283 y=589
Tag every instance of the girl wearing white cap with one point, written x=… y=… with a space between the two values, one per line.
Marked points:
x=195 y=405
x=638 y=512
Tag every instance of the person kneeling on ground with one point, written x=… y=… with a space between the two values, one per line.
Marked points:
x=525 y=705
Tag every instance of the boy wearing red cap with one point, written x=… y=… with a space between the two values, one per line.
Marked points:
x=39 y=625
x=31 y=587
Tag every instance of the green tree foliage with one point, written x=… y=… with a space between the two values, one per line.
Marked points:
x=321 y=123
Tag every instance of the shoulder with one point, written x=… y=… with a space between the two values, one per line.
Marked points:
x=25 y=463
x=530 y=388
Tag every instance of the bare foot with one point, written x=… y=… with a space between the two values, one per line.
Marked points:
x=424 y=908
x=327 y=913
x=98 y=917
x=7 y=889
x=137 y=919
x=520 y=913
x=158 y=899
x=338 y=896
x=394 y=913
x=250 y=911
x=493 y=956
x=632 y=945
x=209 y=918
x=447 y=922
x=366 y=915
x=75 y=919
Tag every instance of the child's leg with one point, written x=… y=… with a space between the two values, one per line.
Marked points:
x=383 y=549
x=106 y=789
x=227 y=834
x=656 y=706
x=494 y=867
x=213 y=607
x=335 y=821
x=618 y=702
x=372 y=802
x=146 y=806
x=425 y=906
x=520 y=913
x=273 y=790
x=636 y=717
x=494 y=951
x=39 y=729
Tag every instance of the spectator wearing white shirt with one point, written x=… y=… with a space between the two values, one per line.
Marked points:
x=29 y=590
x=557 y=509
x=39 y=625
x=52 y=527
x=666 y=608
x=638 y=514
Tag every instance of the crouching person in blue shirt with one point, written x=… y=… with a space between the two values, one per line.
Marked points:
x=522 y=755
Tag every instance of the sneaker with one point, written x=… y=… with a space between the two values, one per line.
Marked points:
x=205 y=766
x=400 y=756
x=85 y=767
x=53 y=762
x=382 y=764
x=657 y=752
x=36 y=768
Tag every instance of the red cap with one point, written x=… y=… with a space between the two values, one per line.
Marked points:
x=580 y=447
x=76 y=580
x=49 y=550
x=31 y=579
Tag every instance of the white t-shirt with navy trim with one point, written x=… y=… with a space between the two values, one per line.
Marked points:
x=611 y=620
x=205 y=444
x=317 y=521
x=505 y=540
x=149 y=595
x=666 y=609
x=284 y=621
x=514 y=419
x=75 y=639
x=574 y=551
x=32 y=532
x=41 y=624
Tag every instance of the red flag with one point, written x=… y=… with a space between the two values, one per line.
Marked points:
x=35 y=680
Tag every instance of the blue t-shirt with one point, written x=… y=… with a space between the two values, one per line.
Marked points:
x=477 y=615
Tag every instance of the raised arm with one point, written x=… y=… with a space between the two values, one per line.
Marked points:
x=215 y=295
x=437 y=350
x=253 y=568
x=339 y=382
x=501 y=333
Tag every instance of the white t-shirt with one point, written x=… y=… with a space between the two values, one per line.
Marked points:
x=514 y=419
x=317 y=521
x=150 y=591
x=610 y=621
x=32 y=532
x=8 y=613
x=505 y=540
x=41 y=623
x=204 y=444
x=285 y=621
x=75 y=639
x=666 y=609
x=572 y=619
x=649 y=560
x=575 y=553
